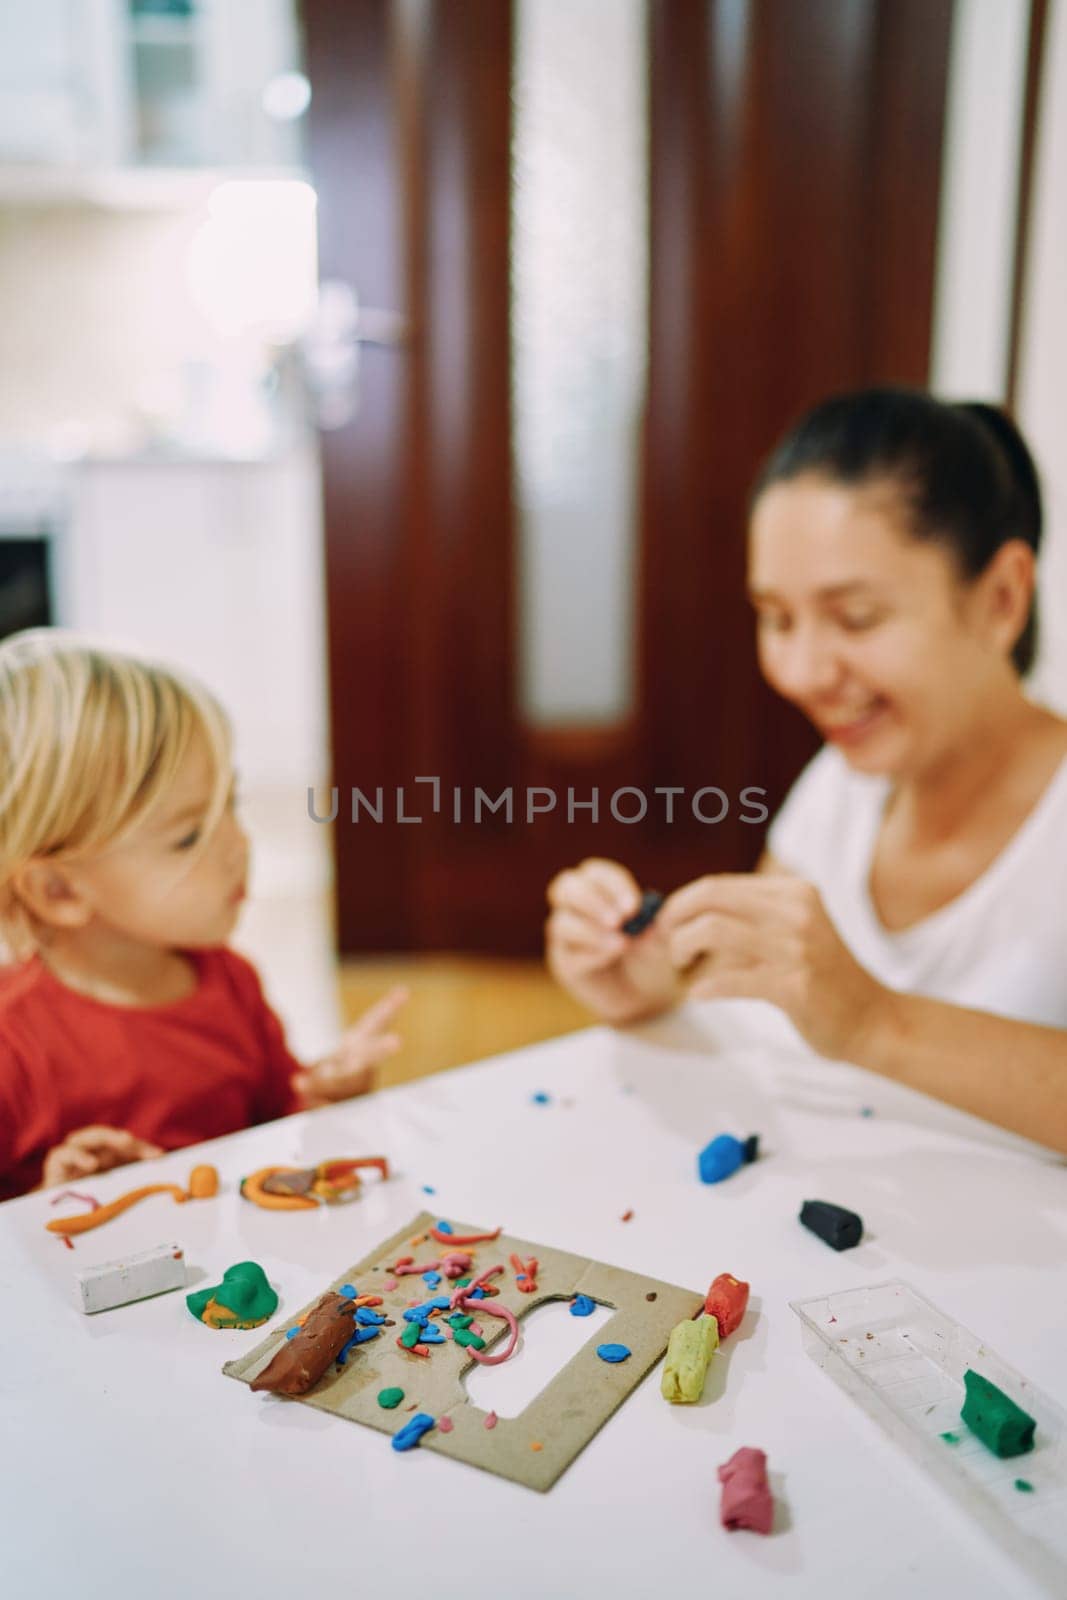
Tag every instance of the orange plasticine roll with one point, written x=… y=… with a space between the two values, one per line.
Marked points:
x=203 y=1183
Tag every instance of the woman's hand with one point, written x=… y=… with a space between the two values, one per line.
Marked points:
x=95 y=1149
x=352 y=1068
x=769 y=938
x=620 y=978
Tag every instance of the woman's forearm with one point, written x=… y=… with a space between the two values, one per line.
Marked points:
x=1009 y=1072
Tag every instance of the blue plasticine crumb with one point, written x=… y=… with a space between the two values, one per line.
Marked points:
x=428 y=1188
x=445 y=1227
x=291 y=1333
x=613 y=1352
x=866 y=1111
x=540 y=1098
x=348 y=1291
x=582 y=1306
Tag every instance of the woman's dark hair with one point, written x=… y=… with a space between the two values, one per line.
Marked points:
x=964 y=472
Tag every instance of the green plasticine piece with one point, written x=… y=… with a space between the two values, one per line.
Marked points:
x=460 y=1321
x=689 y=1350
x=410 y=1336
x=462 y=1283
x=1024 y=1487
x=244 y=1292
x=389 y=1399
x=951 y=1438
x=1000 y=1424
x=463 y=1337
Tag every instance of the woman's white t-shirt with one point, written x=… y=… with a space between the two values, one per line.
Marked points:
x=999 y=946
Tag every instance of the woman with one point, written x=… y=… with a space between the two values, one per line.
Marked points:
x=910 y=911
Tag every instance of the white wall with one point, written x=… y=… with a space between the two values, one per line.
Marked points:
x=1042 y=390
x=975 y=270
x=96 y=321
x=979 y=199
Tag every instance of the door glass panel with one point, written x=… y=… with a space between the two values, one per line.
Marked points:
x=579 y=332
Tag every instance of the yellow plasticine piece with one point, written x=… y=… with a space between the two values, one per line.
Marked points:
x=689 y=1351
x=216 y=1316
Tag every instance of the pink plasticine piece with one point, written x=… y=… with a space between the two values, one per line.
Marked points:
x=746 y=1500
x=444 y=1424
x=490 y=1419
x=461 y=1301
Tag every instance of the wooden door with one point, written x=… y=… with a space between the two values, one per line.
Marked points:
x=795 y=157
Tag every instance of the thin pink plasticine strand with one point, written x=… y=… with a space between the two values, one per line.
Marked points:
x=86 y=1199
x=453 y=1264
x=461 y=1301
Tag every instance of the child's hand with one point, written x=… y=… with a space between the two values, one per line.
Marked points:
x=96 y=1149
x=350 y=1071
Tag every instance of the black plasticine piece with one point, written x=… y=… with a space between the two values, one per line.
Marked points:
x=645 y=915
x=839 y=1228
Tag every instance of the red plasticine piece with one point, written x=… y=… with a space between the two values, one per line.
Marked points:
x=460 y=1239
x=525 y=1274
x=727 y=1301
x=415 y=1349
x=746 y=1500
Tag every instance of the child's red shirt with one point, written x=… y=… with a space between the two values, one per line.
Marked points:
x=206 y=1065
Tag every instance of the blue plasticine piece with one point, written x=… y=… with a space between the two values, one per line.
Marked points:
x=431 y=1335
x=445 y=1227
x=613 y=1352
x=582 y=1306
x=720 y=1158
x=349 y=1291
x=413 y=1431
x=369 y=1317
x=421 y=1313
x=432 y=1278
x=360 y=1336
x=291 y=1333
x=540 y=1098
x=428 y=1188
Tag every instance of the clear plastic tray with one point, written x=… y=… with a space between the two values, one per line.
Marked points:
x=904 y=1361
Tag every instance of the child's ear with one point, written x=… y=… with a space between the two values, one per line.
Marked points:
x=51 y=895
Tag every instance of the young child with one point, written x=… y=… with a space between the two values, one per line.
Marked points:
x=128 y=1027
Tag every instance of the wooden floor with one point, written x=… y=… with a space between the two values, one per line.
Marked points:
x=461 y=1008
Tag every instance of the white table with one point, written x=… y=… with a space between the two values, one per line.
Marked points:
x=130 y=1465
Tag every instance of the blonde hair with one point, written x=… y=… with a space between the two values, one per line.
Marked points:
x=90 y=741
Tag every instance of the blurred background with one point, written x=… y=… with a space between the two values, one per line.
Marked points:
x=401 y=367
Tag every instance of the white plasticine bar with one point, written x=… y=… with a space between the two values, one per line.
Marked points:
x=904 y=1361
x=134 y=1277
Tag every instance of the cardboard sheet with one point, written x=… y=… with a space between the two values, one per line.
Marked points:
x=567 y=1413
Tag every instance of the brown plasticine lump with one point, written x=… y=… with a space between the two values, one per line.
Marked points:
x=302 y=1360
